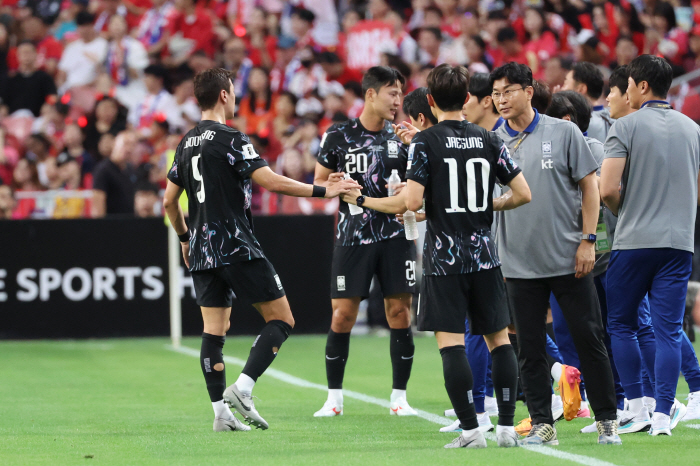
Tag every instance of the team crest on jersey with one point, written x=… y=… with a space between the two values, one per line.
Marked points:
x=341 y=282
x=547 y=148
x=393 y=149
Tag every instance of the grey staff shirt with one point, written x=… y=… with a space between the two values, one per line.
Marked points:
x=540 y=239
x=600 y=123
x=596 y=147
x=660 y=181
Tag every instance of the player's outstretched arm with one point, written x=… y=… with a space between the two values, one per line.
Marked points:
x=518 y=195
x=324 y=176
x=410 y=198
x=281 y=184
x=173 y=210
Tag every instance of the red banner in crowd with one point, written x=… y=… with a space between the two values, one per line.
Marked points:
x=365 y=43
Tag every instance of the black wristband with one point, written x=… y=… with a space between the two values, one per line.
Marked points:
x=319 y=191
x=185 y=237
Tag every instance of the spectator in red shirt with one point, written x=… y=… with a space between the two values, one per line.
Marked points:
x=25 y=178
x=606 y=30
x=479 y=62
x=511 y=49
x=665 y=37
x=192 y=29
x=625 y=51
x=692 y=61
x=451 y=19
x=260 y=43
x=495 y=21
x=628 y=23
x=542 y=43
x=48 y=49
x=302 y=25
x=377 y=10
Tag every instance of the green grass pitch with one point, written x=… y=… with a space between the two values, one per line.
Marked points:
x=135 y=402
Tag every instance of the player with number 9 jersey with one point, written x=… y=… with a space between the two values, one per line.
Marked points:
x=222 y=231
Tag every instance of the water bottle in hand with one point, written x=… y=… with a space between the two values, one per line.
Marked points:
x=394 y=182
x=354 y=210
x=410 y=225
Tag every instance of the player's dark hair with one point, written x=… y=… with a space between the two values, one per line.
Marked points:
x=666 y=11
x=208 y=85
x=582 y=108
x=515 y=73
x=480 y=87
x=619 y=78
x=449 y=86
x=416 y=103
x=560 y=107
x=380 y=76
x=654 y=70
x=589 y=74
x=542 y=96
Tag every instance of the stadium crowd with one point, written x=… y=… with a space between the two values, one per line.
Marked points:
x=96 y=94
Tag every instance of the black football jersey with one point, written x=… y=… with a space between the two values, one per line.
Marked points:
x=368 y=157
x=459 y=163
x=213 y=163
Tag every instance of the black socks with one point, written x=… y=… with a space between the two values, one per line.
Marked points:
x=401 y=349
x=504 y=374
x=459 y=383
x=211 y=357
x=337 y=349
x=265 y=348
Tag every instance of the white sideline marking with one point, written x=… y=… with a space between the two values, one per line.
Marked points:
x=693 y=426
x=443 y=421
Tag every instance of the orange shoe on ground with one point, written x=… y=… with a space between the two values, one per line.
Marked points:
x=524 y=427
x=569 y=391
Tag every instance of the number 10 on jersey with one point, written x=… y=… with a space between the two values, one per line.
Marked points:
x=471 y=185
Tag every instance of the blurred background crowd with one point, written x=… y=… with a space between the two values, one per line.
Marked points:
x=95 y=95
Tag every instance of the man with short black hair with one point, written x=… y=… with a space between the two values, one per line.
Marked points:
x=586 y=79
x=653 y=247
x=480 y=108
x=216 y=164
x=562 y=217
x=368 y=243
x=455 y=165
x=416 y=106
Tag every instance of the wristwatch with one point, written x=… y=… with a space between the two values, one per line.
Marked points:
x=360 y=200
x=590 y=238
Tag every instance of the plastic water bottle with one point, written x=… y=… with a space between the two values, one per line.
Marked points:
x=394 y=182
x=354 y=210
x=409 y=223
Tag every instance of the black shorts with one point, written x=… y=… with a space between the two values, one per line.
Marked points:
x=393 y=261
x=253 y=281
x=446 y=301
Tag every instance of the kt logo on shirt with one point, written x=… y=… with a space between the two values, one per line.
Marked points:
x=547 y=164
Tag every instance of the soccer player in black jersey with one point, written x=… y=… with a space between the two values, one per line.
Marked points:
x=215 y=164
x=369 y=243
x=454 y=165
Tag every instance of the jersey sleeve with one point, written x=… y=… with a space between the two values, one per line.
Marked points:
x=581 y=160
x=418 y=168
x=327 y=153
x=506 y=168
x=174 y=172
x=616 y=142
x=241 y=154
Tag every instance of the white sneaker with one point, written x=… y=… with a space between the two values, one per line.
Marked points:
x=557 y=408
x=491 y=406
x=485 y=424
x=401 y=407
x=661 y=425
x=472 y=439
x=450 y=413
x=506 y=437
x=634 y=422
x=678 y=412
x=590 y=429
x=693 y=412
x=244 y=404
x=227 y=425
x=330 y=408
x=650 y=404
